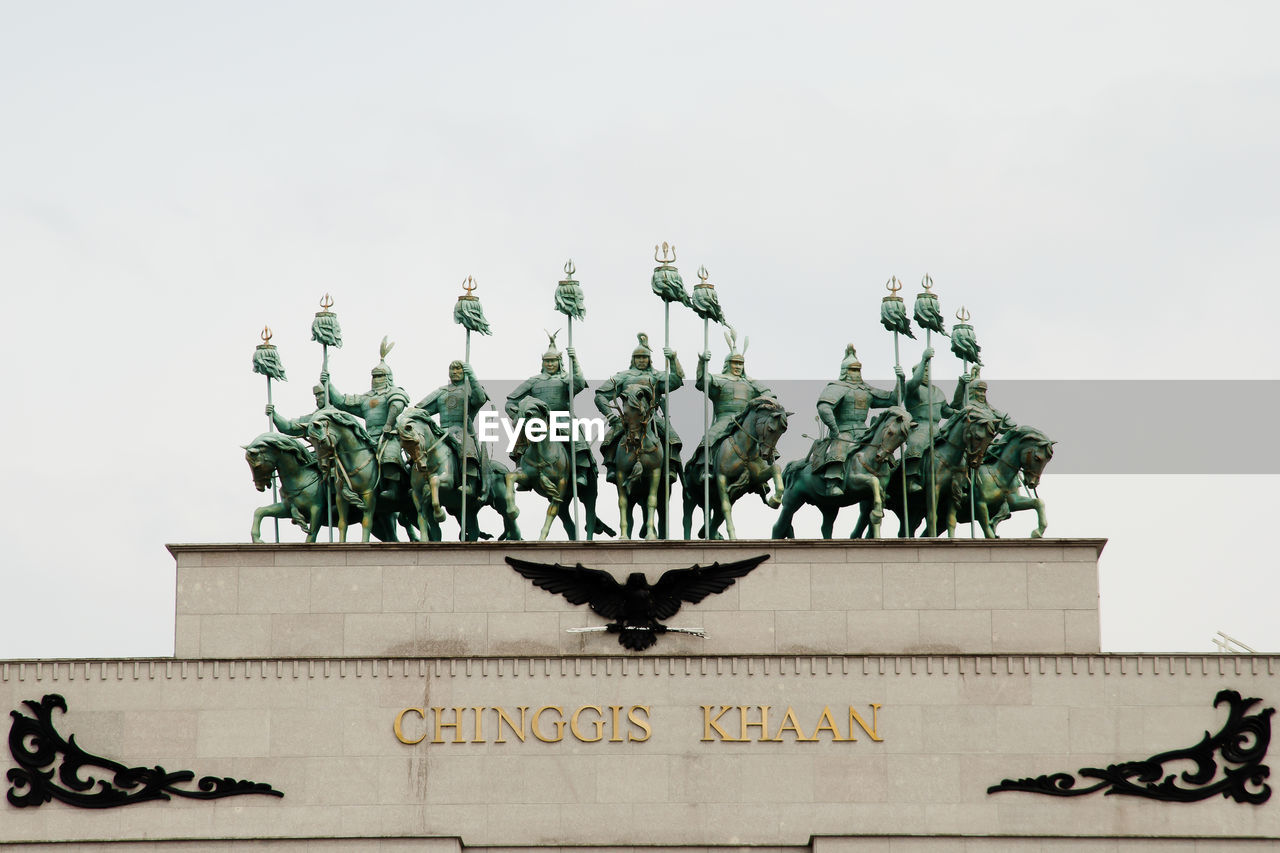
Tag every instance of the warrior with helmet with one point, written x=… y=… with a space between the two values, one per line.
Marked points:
x=641 y=372
x=843 y=407
x=730 y=392
x=379 y=408
x=446 y=401
x=554 y=386
x=296 y=426
x=976 y=388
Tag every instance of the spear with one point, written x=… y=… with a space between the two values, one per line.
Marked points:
x=569 y=302
x=468 y=313
x=706 y=304
x=929 y=317
x=325 y=329
x=668 y=285
x=893 y=316
x=964 y=344
x=266 y=360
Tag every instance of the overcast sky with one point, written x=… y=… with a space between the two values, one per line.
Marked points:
x=1096 y=182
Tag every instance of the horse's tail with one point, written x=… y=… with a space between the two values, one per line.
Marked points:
x=791 y=471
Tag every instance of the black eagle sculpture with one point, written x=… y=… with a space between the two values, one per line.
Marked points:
x=637 y=606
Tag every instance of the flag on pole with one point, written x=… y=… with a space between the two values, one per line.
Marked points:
x=325 y=328
x=893 y=311
x=266 y=358
x=704 y=301
x=964 y=343
x=467 y=310
x=569 y=299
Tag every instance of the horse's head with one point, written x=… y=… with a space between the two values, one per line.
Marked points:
x=419 y=434
x=978 y=428
x=1034 y=452
x=637 y=404
x=887 y=433
x=765 y=420
x=533 y=408
x=265 y=452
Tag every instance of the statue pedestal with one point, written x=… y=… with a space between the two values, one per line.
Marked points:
x=826 y=598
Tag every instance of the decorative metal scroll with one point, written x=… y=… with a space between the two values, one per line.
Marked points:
x=36 y=745
x=1242 y=742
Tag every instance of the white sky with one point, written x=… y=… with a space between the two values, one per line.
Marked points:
x=1096 y=182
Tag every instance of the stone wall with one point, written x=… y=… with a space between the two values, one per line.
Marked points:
x=946 y=727
x=833 y=597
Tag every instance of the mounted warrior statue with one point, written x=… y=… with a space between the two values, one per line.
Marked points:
x=640 y=377
x=924 y=401
x=843 y=407
x=731 y=392
x=976 y=388
x=447 y=401
x=379 y=409
x=296 y=426
x=554 y=386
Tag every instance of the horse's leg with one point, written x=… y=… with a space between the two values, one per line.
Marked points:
x=651 y=505
x=510 y=479
x=775 y=500
x=864 y=520
x=688 y=517
x=255 y=533
x=828 y=520
x=984 y=518
x=565 y=513
x=624 y=510
x=342 y=520
x=726 y=507
x=782 y=528
x=317 y=513
x=437 y=510
x=1018 y=502
x=366 y=522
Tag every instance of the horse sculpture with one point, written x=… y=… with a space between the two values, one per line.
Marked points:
x=638 y=462
x=1020 y=454
x=434 y=480
x=744 y=461
x=347 y=456
x=544 y=468
x=302 y=487
x=866 y=471
x=959 y=447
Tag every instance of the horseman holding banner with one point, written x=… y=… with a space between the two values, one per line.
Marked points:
x=843 y=407
x=640 y=373
x=379 y=408
x=296 y=426
x=448 y=402
x=730 y=392
x=553 y=387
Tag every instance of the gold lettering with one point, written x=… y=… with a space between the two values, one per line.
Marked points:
x=827 y=723
x=559 y=724
x=709 y=723
x=399 y=725
x=641 y=724
x=599 y=724
x=615 y=735
x=854 y=716
x=763 y=725
x=789 y=723
x=456 y=725
x=479 y=735
x=503 y=718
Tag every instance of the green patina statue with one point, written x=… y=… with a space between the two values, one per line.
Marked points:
x=640 y=373
x=750 y=466
x=542 y=472
x=379 y=408
x=447 y=402
x=843 y=408
x=296 y=426
x=632 y=402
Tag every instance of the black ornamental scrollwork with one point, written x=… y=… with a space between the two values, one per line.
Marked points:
x=39 y=777
x=1241 y=744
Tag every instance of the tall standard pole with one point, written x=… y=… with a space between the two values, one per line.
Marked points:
x=666 y=416
x=466 y=430
x=573 y=446
x=325 y=329
x=266 y=360
x=706 y=426
x=893 y=316
x=569 y=302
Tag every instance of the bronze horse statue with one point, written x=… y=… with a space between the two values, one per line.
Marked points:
x=544 y=468
x=433 y=480
x=744 y=461
x=1021 y=454
x=867 y=469
x=638 y=462
x=959 y=447
x=302 y=489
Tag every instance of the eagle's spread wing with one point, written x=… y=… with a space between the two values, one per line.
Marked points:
x=696 y=583
x=578 y=584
